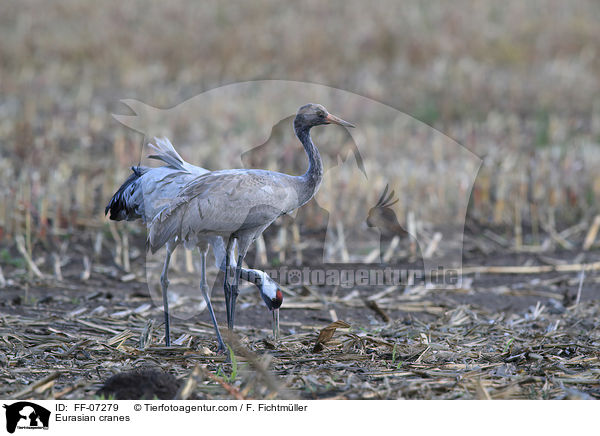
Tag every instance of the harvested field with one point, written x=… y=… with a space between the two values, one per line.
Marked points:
x=519 y=335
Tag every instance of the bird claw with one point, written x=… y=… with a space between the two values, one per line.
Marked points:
x=222 y=350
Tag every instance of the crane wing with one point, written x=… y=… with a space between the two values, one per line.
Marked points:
x=222 y=203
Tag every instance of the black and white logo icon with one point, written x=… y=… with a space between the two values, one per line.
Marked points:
x=26 y=415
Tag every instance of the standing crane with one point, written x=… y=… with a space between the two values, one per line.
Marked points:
x=240 y=204
x=147 y=191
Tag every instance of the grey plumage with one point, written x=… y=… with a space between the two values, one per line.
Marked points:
x=218 y=203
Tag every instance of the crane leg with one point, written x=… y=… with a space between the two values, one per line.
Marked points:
x=164 y=282
x=226 y=286
x=206 y=294
x=235 y=290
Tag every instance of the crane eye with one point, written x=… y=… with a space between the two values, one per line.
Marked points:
x=321 y=114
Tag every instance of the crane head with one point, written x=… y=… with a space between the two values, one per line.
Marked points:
x=311 y=115
x=270 y=292
x=273 y=298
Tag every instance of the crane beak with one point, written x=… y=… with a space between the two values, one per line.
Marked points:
x=335 y=120
x=276 y=324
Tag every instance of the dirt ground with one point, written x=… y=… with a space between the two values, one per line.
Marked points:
x=498 y=335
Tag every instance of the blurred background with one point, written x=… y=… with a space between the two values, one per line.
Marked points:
x=515 y=83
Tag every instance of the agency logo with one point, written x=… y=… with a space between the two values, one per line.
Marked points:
x=26 y=415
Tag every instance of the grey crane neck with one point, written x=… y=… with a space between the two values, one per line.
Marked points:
x=311 y=179
x=251 y=276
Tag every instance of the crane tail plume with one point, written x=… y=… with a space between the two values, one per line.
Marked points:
x=127 y=203
x=166 y=153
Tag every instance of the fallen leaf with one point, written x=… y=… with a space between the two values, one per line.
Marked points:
x=327 y=333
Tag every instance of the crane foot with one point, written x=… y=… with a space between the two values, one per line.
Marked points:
x=222 y=349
